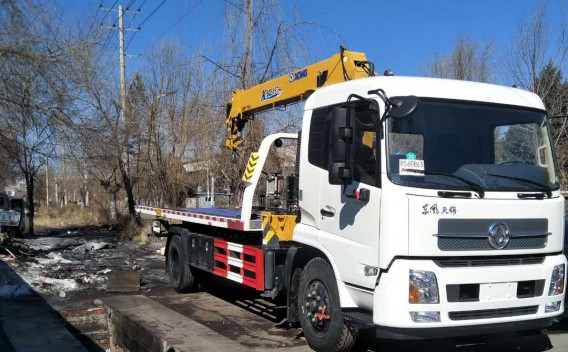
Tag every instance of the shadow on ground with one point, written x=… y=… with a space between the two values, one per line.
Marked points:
x=273 y=314
x=27 y=321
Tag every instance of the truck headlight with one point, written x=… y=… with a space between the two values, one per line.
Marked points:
x=422 y=287
x=557 y=281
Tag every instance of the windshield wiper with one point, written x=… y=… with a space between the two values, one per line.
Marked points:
x=540 y=187
x=472 y=185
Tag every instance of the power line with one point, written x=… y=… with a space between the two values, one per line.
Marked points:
x=130 y=4
x=130 y=41
x=181 y=18
x=143 y=2
x=135 y=13
x=95 y=18
x=108 y=12
x=152 y=13
x=144 y=20
x=126 y=8
x=109 y=35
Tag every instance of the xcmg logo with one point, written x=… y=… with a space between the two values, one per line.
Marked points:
x=294 y=76
x=270 y=93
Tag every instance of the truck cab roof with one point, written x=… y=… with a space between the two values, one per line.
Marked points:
x=426 y=87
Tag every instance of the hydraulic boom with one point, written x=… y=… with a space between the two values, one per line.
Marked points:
x=294 y=87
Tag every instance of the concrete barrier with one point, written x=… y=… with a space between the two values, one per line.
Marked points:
x=141 y=324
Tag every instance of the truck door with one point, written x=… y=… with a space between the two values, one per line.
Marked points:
x=349 y=228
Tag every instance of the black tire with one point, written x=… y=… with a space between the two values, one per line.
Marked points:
x=325 y=330
x=181 y=276
x=14 y=232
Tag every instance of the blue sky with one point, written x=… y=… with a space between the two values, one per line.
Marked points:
x=401 y=35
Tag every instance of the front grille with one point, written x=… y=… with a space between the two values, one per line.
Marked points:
x=482 y=243
x=493 y=313
x=473 y=262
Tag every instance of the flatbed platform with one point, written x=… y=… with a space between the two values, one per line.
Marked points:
x=223 y=218
x=228 y=213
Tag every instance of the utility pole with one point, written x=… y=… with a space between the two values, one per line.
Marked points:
x=64 y=179
x=122 y=55
x=47 y=182
x=123 y=142
x=56 y=193
x=122 y=65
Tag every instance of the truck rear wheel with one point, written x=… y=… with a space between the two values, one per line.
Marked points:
x=181 y=276
x=320 y=310
x=14 y=232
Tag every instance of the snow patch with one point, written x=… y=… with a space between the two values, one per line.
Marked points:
x=91 y=247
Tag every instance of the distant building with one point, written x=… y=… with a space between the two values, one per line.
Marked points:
x=17 y=188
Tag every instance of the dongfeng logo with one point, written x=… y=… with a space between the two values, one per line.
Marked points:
x=499 y=235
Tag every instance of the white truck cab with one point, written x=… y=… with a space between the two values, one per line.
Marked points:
x=462 y=226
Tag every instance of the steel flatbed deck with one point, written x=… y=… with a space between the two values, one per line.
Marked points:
x=223 y=218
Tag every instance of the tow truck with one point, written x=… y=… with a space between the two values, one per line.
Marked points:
x=417 y=207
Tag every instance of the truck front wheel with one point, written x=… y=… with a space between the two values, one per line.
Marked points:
x=181 y=277
x=320 y=310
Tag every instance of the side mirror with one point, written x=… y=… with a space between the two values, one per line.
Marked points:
x=342 y=131
x=404 y=107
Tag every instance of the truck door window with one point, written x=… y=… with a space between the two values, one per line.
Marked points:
x=317 y=146
x=365 y=162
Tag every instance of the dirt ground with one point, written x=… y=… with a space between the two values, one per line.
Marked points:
x=70 y=269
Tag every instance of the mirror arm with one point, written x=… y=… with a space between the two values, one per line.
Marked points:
x=383 y=95
x=351 y=96
x=388 y=103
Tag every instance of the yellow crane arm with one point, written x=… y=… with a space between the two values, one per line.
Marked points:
x=294 y=87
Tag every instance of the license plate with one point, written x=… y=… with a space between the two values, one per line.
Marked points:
x=497 y=291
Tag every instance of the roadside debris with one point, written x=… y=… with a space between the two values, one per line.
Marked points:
x=9 y=255
x=63 y=263
x=124 y=281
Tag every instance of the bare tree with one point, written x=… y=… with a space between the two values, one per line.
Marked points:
x=260 y=45
x=532 y=50
x=535 y=63
x=35 y=96
x=469 y=60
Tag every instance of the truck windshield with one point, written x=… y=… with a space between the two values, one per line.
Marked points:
x=497 y=147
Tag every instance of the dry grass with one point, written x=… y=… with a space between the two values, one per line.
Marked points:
x=130 y=231
x=73 y=216
x=68 y=216
x=143 y=232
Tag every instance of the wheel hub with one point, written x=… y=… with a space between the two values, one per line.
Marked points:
x=318 y=310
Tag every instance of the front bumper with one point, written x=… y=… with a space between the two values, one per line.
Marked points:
x=391 y=308
x=386 y=332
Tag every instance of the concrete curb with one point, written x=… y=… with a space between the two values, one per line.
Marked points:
x=139 y=323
